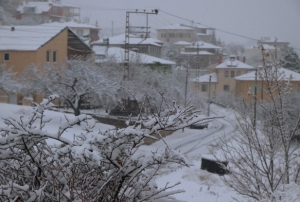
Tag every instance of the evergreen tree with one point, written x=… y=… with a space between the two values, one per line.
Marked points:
x=291 y=60
x=214 y=39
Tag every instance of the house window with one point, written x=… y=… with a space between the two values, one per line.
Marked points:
x=238 y=73
x=79 y=32
x=54 y=58
x=226 y=88
x=162 y=35
x=226 y=73
x=48 y=56
x=6 y=57
x=204 y=88
x=232 y=73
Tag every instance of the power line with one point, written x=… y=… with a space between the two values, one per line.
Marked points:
x=224 y=31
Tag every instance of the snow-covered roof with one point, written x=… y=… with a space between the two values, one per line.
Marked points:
x=287 y=74
x=201 y=44
x=205 y=78
x=266 y=47
x=26 y=38
x=70 y=24
x=202 y=34
x=183 y=43
x=120 y=39
x=39 y=7
x=196 y=53
x=118 y=54
x=183 y=27
x=233 y=64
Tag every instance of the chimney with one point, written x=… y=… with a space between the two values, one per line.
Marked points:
x=12 y=29
x=238 y=58
x=220 y=60
x=244 y=59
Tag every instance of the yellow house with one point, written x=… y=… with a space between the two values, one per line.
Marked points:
x=21 y=46
x=247 y=81
x=222 y=77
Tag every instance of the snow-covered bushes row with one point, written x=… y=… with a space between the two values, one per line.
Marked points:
x=94 y=166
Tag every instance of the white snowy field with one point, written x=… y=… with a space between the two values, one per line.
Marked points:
x=198 y=184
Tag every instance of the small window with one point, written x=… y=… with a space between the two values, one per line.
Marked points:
x=6 y=57
x=54 y=56
x=162 y=35
x=79 y=32
x=204 y=88
x=238 y=73
x=48 y=56
x=226 y=88
x=226 y=73
x=232 y=73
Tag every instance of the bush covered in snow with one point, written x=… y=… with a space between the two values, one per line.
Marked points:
x=104 y=166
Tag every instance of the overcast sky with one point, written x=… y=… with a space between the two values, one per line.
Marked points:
x=251 y=18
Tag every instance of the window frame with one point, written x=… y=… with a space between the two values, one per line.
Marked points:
x=48 y=55
x=232 y=74
x=4 y=54
x=204 y=87
x=54 y=56
x=225 y=88
x=226 y=74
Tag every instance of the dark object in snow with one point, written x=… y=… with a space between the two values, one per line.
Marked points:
x=130 y=107
x=199 y=126
x=214 y=166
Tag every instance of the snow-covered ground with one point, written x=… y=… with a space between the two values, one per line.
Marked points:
x=198 y=184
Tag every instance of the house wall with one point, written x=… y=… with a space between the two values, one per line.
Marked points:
x=242 y=89
x=175 y=35
x=222 y=80
x=59 y=44
x=18 y=60
x=198 y=87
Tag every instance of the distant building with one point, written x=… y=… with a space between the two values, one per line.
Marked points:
x=116 y=54
x=247 y=81
x=254 y=53
x=21 y=46
x=87 y=33
x=54 y=11
x=180 y=32
x=222 y=77
x=198 y=55
x=149 y=46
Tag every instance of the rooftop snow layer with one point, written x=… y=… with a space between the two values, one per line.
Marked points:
x=234 y=64
x=40 y=7
x=205 y=78
x=266 y=46
x=70 y=24
x=287 y=74
x=196 y=53
x=120 y=39
x=201 y=44
x=118 y=54
x=183 y=43
x=26 y=38
x=183 y=27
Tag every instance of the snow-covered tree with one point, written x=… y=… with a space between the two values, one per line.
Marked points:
x=263 y=161
x=291 y=60
x=78 y=82
x=106 y=166
x=7 y=81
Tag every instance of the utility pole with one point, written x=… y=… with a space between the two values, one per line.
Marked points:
x=112 y=28
x=208 y=110
x=127 y=36
x=255 y=100
x=186 y=83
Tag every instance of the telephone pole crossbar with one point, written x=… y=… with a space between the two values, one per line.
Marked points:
x=127 y=37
